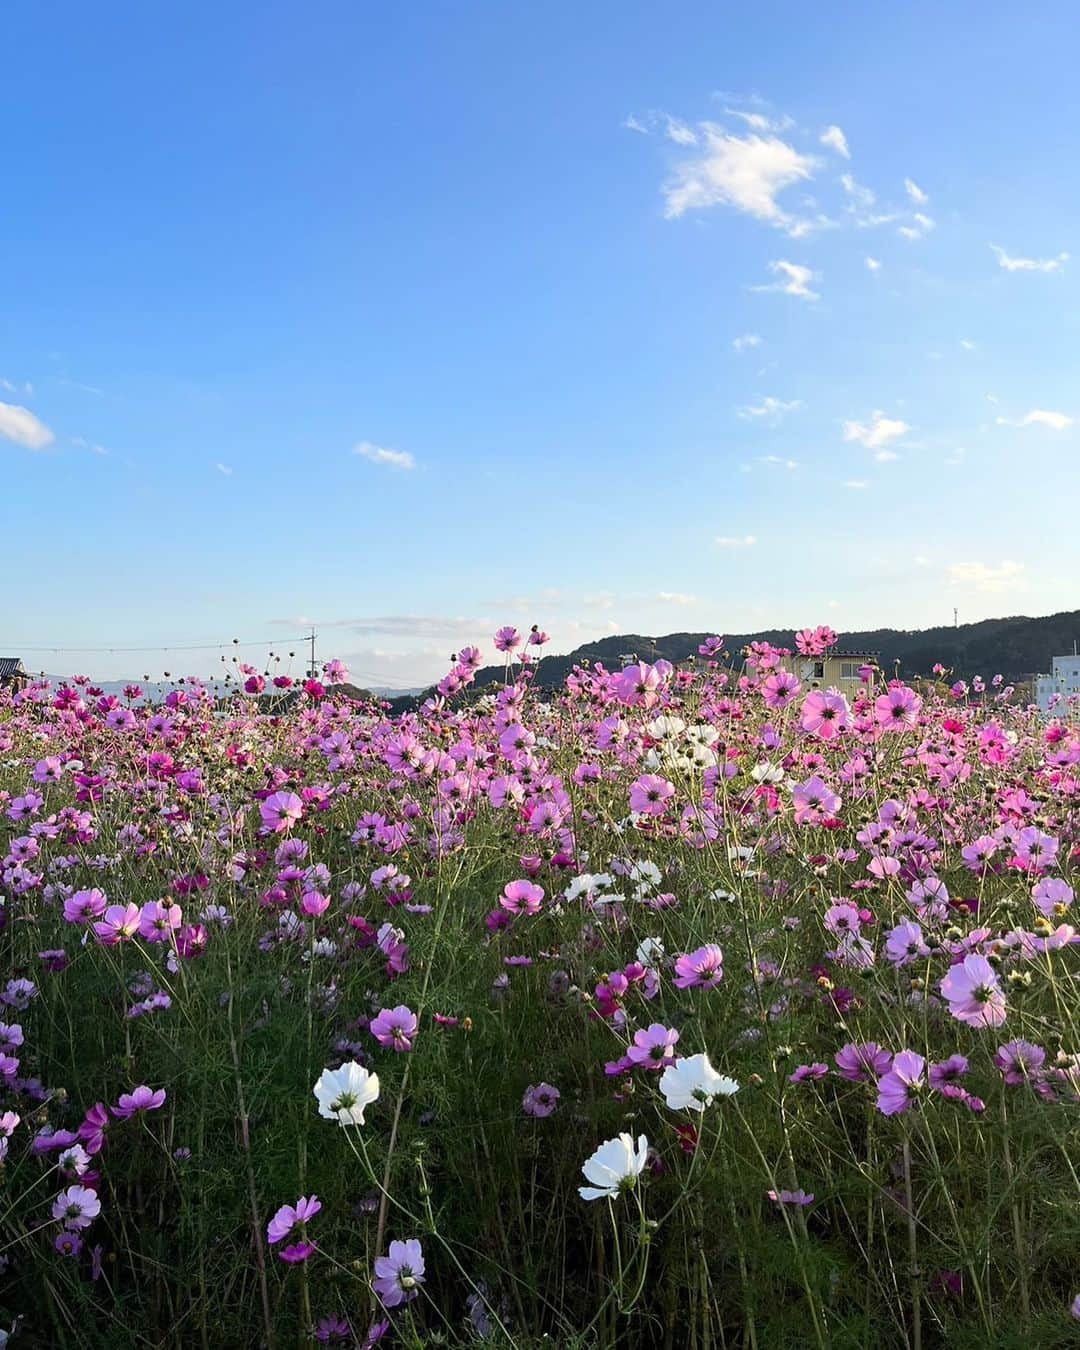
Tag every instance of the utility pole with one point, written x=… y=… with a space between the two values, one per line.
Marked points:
x=955 y=617
x=312 y=672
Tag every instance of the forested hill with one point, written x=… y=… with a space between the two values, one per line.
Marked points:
x=1014 y=647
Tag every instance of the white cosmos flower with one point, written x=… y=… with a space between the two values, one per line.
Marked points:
x=344 y=1094
x=692 y=1084
x=650 y=952
x=767 y=772
x=614 y=1167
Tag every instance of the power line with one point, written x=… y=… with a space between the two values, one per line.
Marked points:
x=172 y=647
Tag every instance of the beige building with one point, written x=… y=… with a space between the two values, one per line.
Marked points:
x=834 y=670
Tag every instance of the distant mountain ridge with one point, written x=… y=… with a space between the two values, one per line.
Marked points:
x=1015 y=647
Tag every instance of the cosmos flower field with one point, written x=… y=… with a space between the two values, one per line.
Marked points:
x=684 y=1008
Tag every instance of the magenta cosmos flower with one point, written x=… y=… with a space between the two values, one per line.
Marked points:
x=281 y=811
x=814 y=800
x=398 y=1274
x=141 y=1099
x=974 y=993
x=861 y=1063
x=396 y=1027
x=289 y=1217
x=898 y=1088
x=825 y=713
x=701 y=969
x=507 y=639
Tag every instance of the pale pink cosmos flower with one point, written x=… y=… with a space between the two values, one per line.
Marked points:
x=898 y=709
x=141 y=1099
x=396 y=1027
x=974 y=993
x=281 y=811
x=898 y=1088
x=701 y=969
x=289 y=1217
x=77 y=1207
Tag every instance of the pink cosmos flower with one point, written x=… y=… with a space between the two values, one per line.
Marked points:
x=398 y=1273
x=701 y=969
x=653 y=1048
x=1020 y=1062
x=862 y=1063
x=780 y=689
x=289 y=1217
x=649 y=795
x=898 y=709
x=522 y=897
x=85 y=906
x=540 y=1100
x=280 y=812
x=396 y=1027
x=825 y=713
x=814 y=801
x=141 y=1099
x=77 y=1207
x=974 y=993
x=119 y=923
x=507 y=639
x=799 y=1197
x=1052 y=897
x=905 y=943
x=898 y=1088
x=159 y=921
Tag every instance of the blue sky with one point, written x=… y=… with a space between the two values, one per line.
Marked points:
x=412 y=320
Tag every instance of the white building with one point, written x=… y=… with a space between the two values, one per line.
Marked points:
x=1063 y=683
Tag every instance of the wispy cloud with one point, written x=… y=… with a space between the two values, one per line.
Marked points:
x=873 y=265
x=679 y=132
x=394 y=459
x=224 y=469
x=19 y=424
x=25 y=389
x=922 y=226
x=795 y=281
x=1011 y=264
x=835 y=139
x=856 y=484
x=747 y=340
x=80 y=443
x=1002 y=576
x=744 y=172
x=1038 y=417
x=771 y=410
x=632 y=124
x=915 y=192
x=876 y=433
x=675 y=598
x=778 y=462
x=736 y=541
x=861 y=197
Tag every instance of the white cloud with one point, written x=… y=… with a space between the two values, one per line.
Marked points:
x=26 y=389
x=876 y=433
x=915 y=192
x=224 y=469
x=679 y=132
x=1039 y=417
x=986 y=577
x=19 y=424
x=885 y=456
x=1029 y=264
x=856 y=484
x=397 y=625
x=923 y=225
x=860 y=196
x=797 y=279
x=771 y=409
x=734 y=541
x=747 y=340
x=80 y=443
x=675 y=598
x=967 y=344
x=778 y=461
x=632 y=124
x=759 y=121
x=396 y=459
x=835 y=139
x=745 y=172
x=873 y=264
